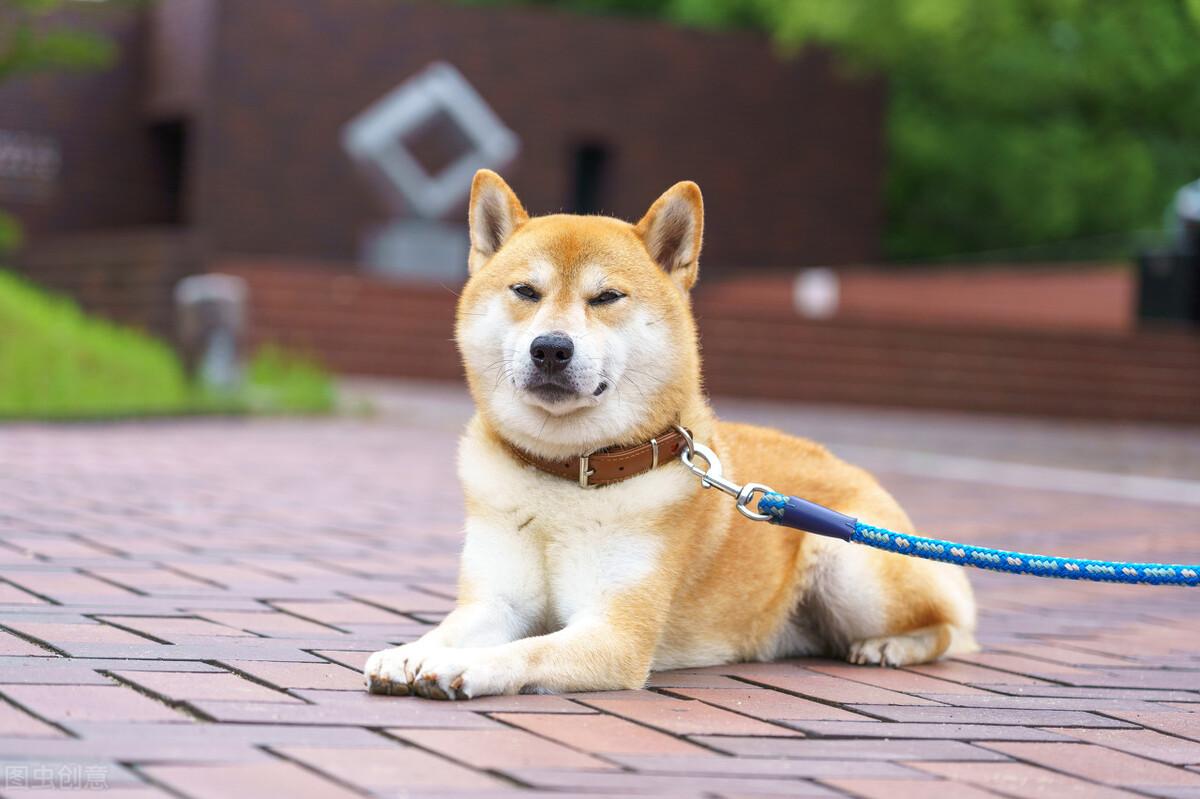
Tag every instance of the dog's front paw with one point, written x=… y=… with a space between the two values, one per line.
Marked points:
x=393 y=671
x=460 y=674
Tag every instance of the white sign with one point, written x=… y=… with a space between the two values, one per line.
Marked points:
x=29 y=166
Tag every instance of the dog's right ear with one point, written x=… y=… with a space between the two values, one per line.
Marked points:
x=494 y=215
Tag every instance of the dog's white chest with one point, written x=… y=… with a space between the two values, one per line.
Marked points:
x=558 y=565
x=586 y=564
x=543 y=542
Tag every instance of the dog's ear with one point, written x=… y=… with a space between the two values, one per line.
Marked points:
x=494 y=214
x=672 y=231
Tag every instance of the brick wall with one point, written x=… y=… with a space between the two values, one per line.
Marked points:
x=351 y=323
x=789 y=152
x=110 y=174
x=1153 y=376
x=1088 y=296
x=128 y=276
x=364 y=326
x=226 y=116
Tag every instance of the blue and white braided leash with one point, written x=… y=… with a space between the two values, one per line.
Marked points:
x=803 y=515
x=800 y=514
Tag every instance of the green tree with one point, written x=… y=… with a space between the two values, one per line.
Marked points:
x=1011 y=122
x=33 y=38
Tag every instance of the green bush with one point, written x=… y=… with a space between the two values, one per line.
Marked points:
x=279 y=379
x=57 y=362
x=1012 y=123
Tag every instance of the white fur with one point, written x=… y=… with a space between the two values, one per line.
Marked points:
x=844 y=591
x=496 y=346
x=545 y=544
x=541 y=555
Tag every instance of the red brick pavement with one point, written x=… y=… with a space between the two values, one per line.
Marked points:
x=184 y=607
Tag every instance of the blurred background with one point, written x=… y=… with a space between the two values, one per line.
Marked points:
x=223 y=206
x=955 y=241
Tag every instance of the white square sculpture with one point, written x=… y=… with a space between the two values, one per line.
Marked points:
x=375 y=140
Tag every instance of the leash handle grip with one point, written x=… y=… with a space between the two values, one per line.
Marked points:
x=810 y=517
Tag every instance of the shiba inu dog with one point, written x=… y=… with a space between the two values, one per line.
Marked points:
x=592 y=554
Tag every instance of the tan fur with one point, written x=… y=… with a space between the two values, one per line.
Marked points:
x=564 y=588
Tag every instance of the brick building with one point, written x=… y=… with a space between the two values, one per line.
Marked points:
x=214 y=144
x=222 y=120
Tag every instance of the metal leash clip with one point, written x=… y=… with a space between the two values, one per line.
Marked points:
x=713 y=477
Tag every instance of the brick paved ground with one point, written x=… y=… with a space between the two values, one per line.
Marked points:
x=184 y=607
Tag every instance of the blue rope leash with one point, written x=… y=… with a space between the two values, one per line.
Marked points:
x=804 y=515
x=800 y=514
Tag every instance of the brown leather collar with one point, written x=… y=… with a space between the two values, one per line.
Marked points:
x=610 y=465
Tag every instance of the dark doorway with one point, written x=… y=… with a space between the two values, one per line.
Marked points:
x=171 y=143
x=590 y=164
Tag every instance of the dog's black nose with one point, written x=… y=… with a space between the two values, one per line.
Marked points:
x=552 y=352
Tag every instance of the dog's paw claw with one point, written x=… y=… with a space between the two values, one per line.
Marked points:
x=388 y=688
x=456 y=674
x=390 y=672
x=875 y=652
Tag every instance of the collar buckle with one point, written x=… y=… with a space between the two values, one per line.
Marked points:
x=584 y=471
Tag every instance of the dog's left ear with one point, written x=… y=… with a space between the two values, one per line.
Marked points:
x=495 y=213
x=672 y=231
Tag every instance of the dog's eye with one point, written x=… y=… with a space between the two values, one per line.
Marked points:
x=605 y=297
x=526 y=292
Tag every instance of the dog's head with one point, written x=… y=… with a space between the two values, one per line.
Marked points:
x=576 y=331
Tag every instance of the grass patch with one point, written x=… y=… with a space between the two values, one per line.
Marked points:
x=57 y=362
